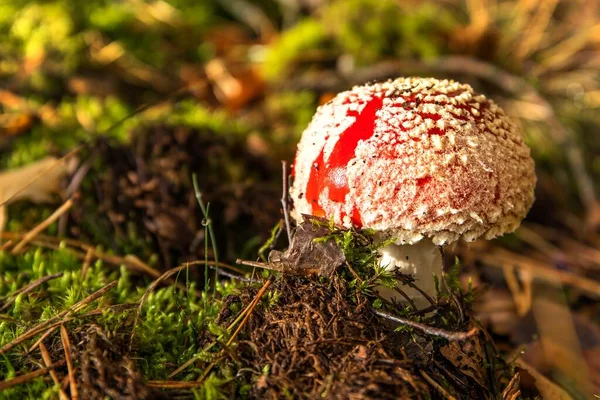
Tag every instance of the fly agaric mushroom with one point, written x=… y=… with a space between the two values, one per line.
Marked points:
x=422 y=161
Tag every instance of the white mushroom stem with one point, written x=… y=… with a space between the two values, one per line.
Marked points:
x=422 y=260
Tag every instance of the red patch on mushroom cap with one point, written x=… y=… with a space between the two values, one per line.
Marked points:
x=332 y=174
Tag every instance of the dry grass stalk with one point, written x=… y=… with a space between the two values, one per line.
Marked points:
x=48 y=362
x=437 y=386
x=64 y=337
x=174 y=384
x=28 y=288
x=29 y=376
x=42 y=226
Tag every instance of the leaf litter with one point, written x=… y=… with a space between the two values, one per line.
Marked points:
x=318 y=334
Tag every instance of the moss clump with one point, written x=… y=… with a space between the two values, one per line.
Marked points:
x=171 y=328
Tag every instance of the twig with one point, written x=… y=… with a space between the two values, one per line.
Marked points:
x=459 y=308
x=429 y=330
x=38 y=229
x=353 y=272
x=28 y=288
x=48 y=362
x=253 y=305
x=64 y=337
x=45 y=335
x=73 y=186
x=406 y=297
x=257 y=264
x=8 y=244
x=437 y=386
x=251 y=15
x=411 y=284
x=285 y=202
x=513 y=388
x=29 y=376
x=237 y=277
x=97 y=311
x=174 y=384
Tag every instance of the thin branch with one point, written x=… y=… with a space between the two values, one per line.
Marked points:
x=544 y=271
x=285 y=202
x=429 y=330
x=53 y=243
x=411 y=284
x=257 y=264
x=406 y=297
x=234 y=276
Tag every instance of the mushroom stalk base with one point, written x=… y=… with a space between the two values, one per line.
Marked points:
x=422 y=260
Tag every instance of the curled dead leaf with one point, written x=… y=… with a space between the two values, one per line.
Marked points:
x=27 y=183
x=306 y=256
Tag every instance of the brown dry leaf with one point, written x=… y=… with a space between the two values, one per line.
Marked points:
x=548 y=390
x=307 y=256
x=234 y=84
x=467 y=356
x=558 y=335
x=15 y=124
x=23 y=183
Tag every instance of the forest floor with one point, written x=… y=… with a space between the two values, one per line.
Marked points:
x=140 y=159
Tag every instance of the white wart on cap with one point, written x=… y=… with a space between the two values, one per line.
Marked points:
x=414 y=158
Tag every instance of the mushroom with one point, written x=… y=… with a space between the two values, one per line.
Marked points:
x=422 y=161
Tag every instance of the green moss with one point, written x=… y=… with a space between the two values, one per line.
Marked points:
x=190 y=113
x=371 y=31
x=170 y=326
x=46 y=29
x=292 y=112
x=309 y=34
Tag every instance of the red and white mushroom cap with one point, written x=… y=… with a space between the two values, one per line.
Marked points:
x=414 y=158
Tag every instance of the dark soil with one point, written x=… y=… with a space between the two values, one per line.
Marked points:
x=321 y=339
x=144 y=201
